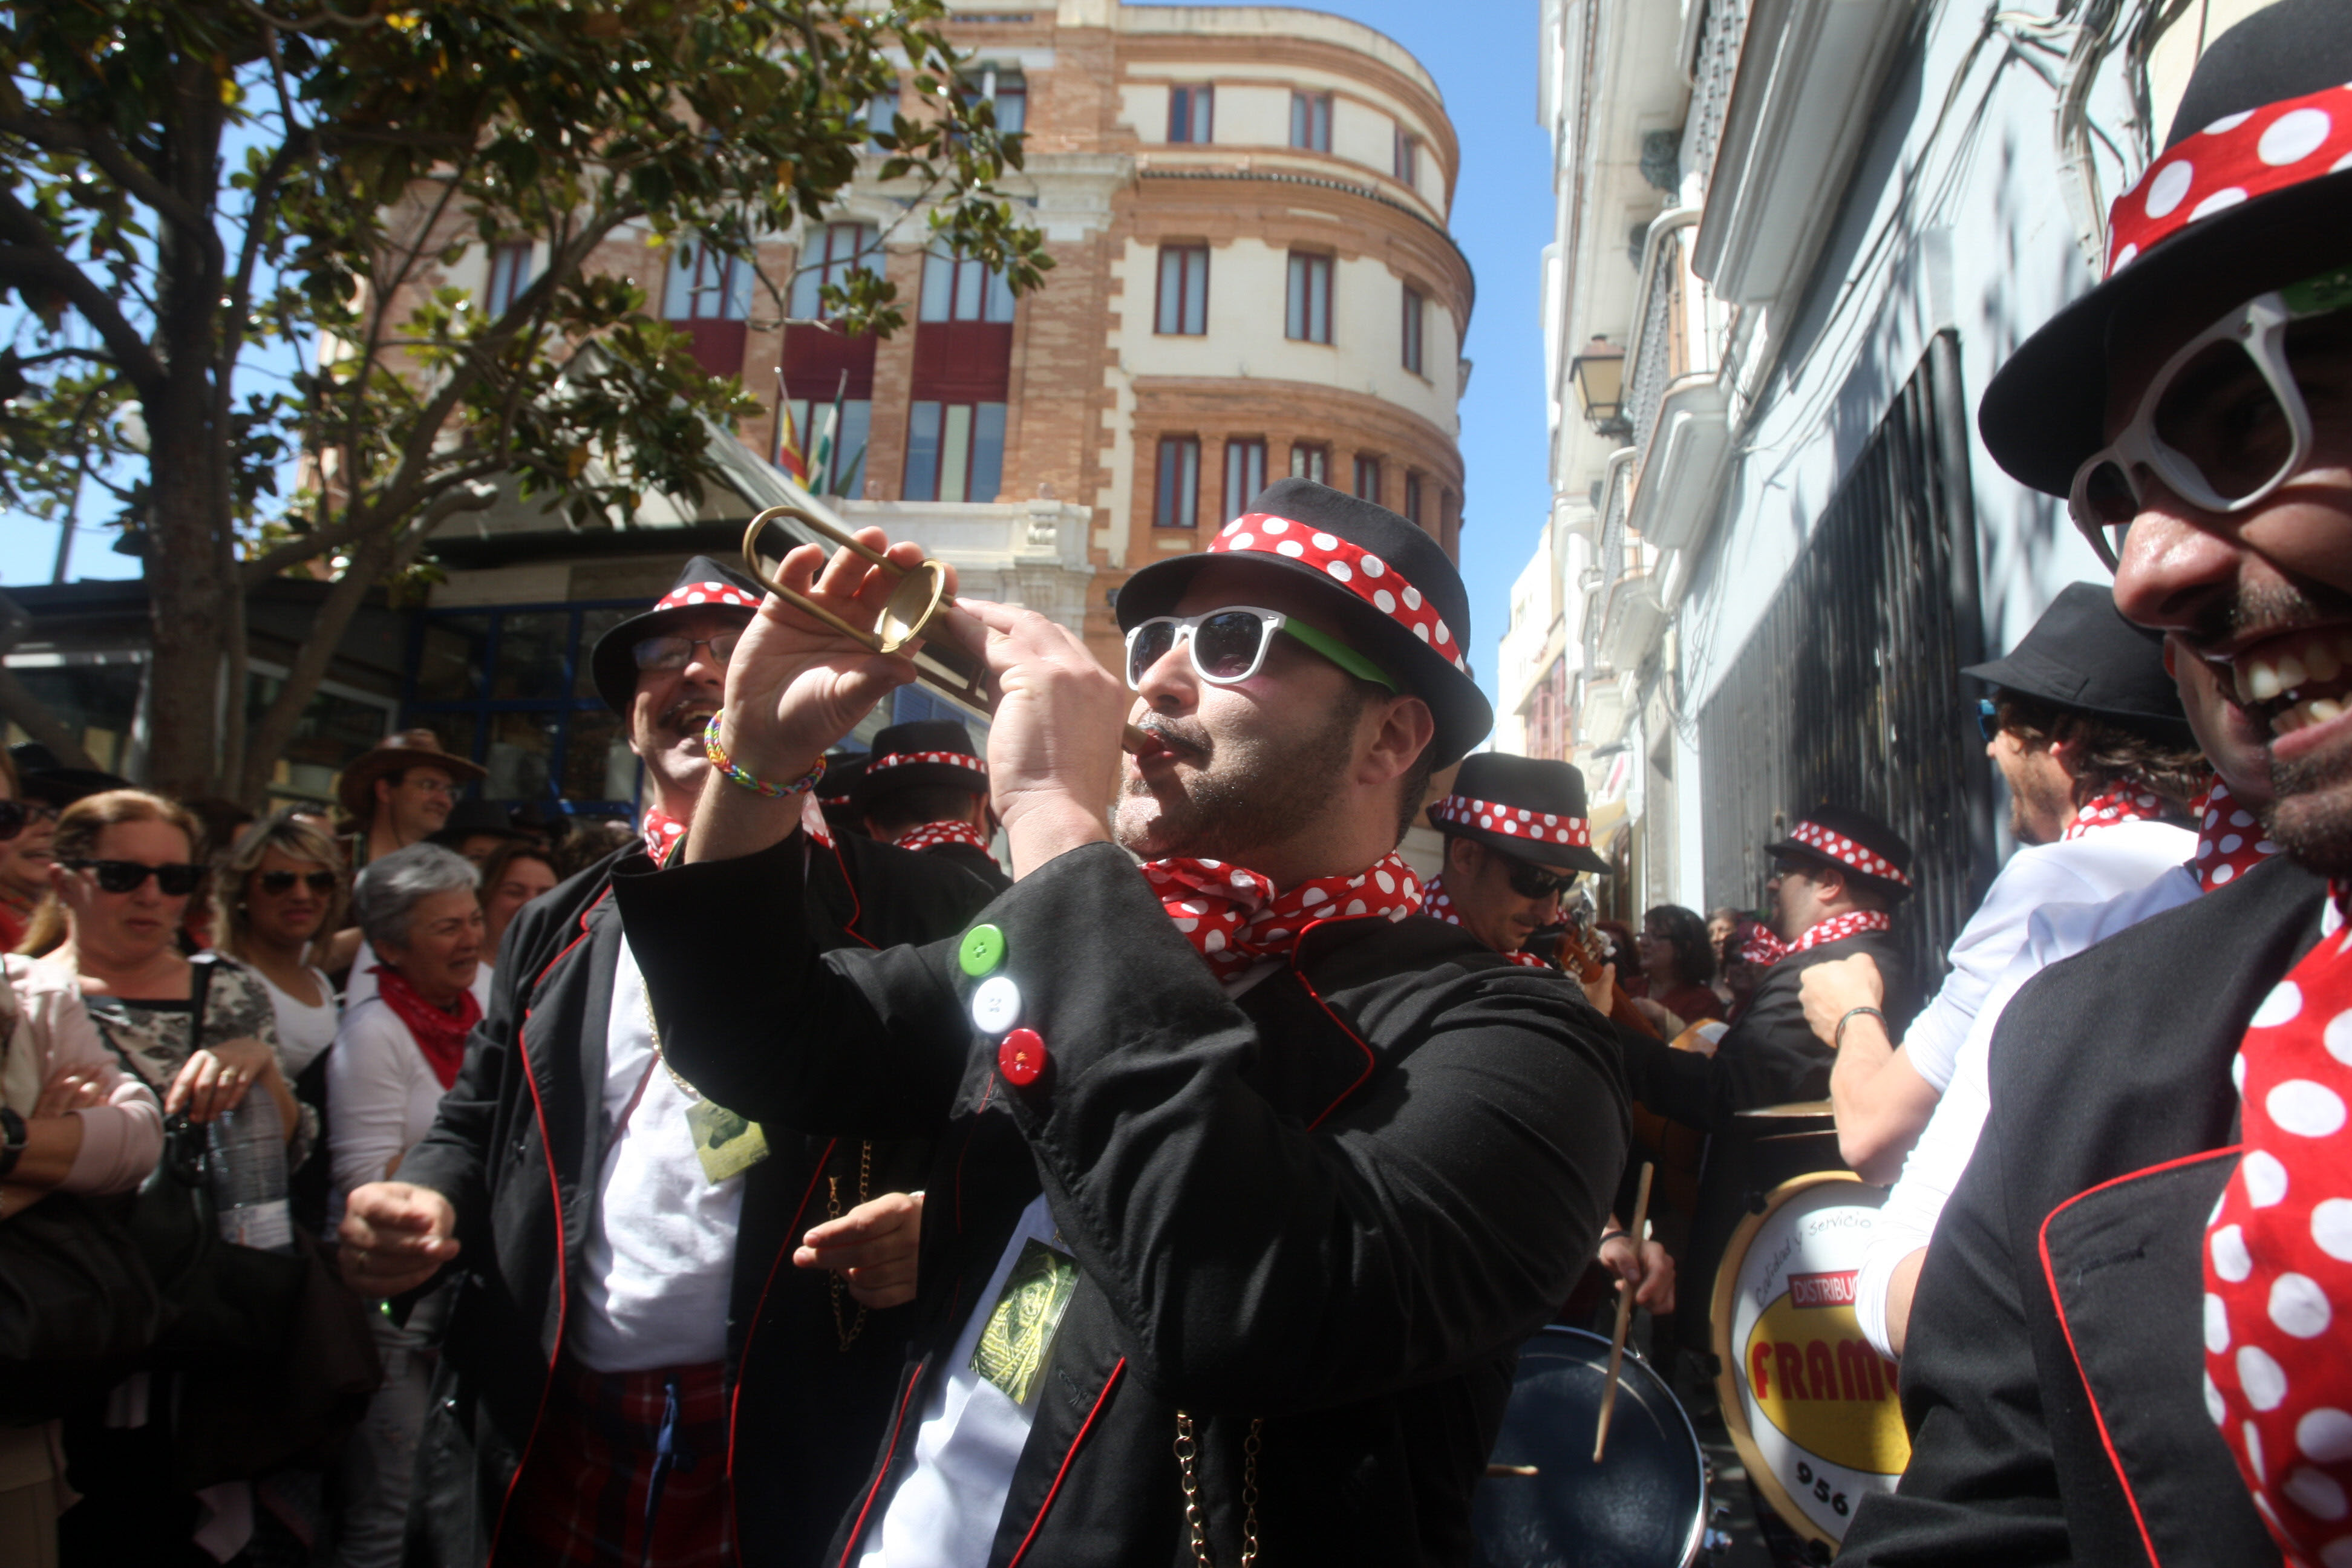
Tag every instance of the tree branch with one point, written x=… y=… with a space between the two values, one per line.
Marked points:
x=95 y=145
x=29 y=260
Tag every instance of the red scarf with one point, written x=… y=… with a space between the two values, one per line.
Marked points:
x=1759 y=945
x=1233 y=917
x=440 y=1036
x=1436 y=903
x=2229 y=841
x=2121 y=804
x=2278 y=1258
x=1763 y=947
x=949 y=832
x=660 y=830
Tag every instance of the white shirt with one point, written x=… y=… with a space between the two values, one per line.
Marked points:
x=362 y=984
x=303 y=1030
x=1908 y=1219
x=660 y=1257
x=382 y=1091
x=2101 y=865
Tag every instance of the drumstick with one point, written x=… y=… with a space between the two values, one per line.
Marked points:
x=1624 y=1313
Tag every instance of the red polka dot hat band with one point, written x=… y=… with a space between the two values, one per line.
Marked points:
x=708 y=592
x=1855 y=842
x=1516 y=821
x=1834 y=846
x=1357 y=570
x=702 y=586
x=905 y=759
x=2232 y=159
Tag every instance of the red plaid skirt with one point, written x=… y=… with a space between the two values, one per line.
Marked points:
x=629 y=1470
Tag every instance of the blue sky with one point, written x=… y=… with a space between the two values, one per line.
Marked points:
x=1483 y=57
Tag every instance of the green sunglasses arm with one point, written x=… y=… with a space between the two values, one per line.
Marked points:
x=1338 y=652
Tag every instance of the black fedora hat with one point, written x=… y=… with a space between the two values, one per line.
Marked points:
x=2083 y=654
x=703 y=584
x=2252 y=193
x=1394 y=596
x=920 y=752
x=1526 y=807
x=1855 y=843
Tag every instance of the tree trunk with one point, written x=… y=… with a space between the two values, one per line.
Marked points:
x=192 y=608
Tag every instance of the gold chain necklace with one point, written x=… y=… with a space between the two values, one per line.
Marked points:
x=1187 y=1451
x=654 y=1029
x=847 y=1331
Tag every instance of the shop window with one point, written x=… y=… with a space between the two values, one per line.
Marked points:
x=1183 y=291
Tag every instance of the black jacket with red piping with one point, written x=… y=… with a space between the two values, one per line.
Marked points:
x=1338 y=1201
x=2053 y=1376
x=517 y=1147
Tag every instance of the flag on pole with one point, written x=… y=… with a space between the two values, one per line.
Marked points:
x=830 y=440
x=788 y=447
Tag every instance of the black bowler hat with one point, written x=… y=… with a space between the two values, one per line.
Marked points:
x=837 y=790
x=2083 y=654
x=1394 y=596
x=1526 y=807
x=1855 y=843
x=2252 y=193
x=703 y=584
x=921 y=752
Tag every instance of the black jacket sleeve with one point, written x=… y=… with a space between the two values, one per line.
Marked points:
x=1771 y=1057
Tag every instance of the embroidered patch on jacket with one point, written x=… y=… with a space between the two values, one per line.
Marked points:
x=1022 y=1325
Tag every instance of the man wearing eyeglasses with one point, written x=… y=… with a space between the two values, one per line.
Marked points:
x=654 y=1297
x=2127 y=1340
x=399 y=791
x=1259 y=1180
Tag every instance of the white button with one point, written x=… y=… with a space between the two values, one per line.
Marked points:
x=996 y=1004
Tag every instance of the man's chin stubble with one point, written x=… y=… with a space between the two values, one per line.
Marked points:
x=2312 y=817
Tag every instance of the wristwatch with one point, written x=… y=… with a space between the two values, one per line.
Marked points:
x=13 y=1126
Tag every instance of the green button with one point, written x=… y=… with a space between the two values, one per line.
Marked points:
x=983 y=950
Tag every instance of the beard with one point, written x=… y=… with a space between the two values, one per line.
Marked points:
x=2311 y=818
x=1245 y=792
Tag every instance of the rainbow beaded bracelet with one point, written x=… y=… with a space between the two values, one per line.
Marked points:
x=717 y=753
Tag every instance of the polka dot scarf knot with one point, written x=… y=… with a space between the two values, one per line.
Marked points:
x=1438 y=905
x=2278 y=1263
x=1233 y=916
x=1837 y=928
x=659 y=829
x=2117 y=805
x=932 y=833
x=2230 y=840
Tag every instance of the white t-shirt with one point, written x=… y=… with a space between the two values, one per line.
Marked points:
x=382 y=1091
x=2101 y=865
x=303 y=1030
x=362 y=984
x=1908 y=1219
x=660 y=1257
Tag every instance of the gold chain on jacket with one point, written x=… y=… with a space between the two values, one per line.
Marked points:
x=849 y=1332
x=1187 y=1451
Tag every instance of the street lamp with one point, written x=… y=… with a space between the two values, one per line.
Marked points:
x=1600 y=377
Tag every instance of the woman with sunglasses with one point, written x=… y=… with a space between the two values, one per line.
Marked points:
x=277 y=901
x=24 y=830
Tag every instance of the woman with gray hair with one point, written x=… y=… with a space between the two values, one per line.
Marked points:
x=395 y=1054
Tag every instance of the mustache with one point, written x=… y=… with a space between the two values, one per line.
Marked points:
x=1177 y=734
x=2267 y=609
x=673 y=718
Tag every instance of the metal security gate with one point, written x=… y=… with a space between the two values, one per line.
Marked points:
x=1850 y=689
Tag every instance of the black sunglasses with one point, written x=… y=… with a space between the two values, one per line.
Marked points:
x=1534 y=882
x=280 y=883
x=177 y=880
x=1987 y=718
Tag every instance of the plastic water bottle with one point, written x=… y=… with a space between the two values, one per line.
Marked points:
x=244 y=1169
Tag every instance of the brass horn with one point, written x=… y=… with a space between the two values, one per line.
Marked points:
x=922 y=593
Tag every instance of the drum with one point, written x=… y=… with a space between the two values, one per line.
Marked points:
x=1811 y=1405
x=1643 y=1506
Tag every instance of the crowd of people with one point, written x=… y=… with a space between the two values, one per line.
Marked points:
x=1104 y=1147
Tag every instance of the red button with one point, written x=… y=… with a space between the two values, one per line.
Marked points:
x=1021 y=1057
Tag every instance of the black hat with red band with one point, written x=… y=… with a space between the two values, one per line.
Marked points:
x=1853 y=842
x=1393 y=596
x=1529 y=808
x=703 y=584
x=919 y=752
x=2252 y=193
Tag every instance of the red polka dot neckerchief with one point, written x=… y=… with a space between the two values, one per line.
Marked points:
x=1763 y=947
x=2118 y=806
x=2278 y=1260
x=2230 y=840
x=1233 y=916
x=949 y=832
x=660 y=830
x=1436 y=903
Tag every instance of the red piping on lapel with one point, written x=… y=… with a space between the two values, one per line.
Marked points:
x=1299 y=970
x=914 y=1381
x=1059 y=1476
x=759 y=1309
x=2050 y=1277
x=562 y=1260
x=857 y=905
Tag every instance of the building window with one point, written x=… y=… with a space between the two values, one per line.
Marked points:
x=1309 y=462
x=1309 y=317
x=834 y=445
x=1245 y=473
x=830 y=254
x=1413 y=499
x=709 y=294
x=1310 y=120
x=1192 y=113
x=1008 y=91
x=510 y=276
x=962 y=288
x=955 y=451
x=881 y=115
x=1183 y=291
x=1368 y=478
x=511 y=688
x=1176 y=495
x=1408 y=157
x=1415 y=308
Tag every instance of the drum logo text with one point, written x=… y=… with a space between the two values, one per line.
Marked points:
x=1831 y=1290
